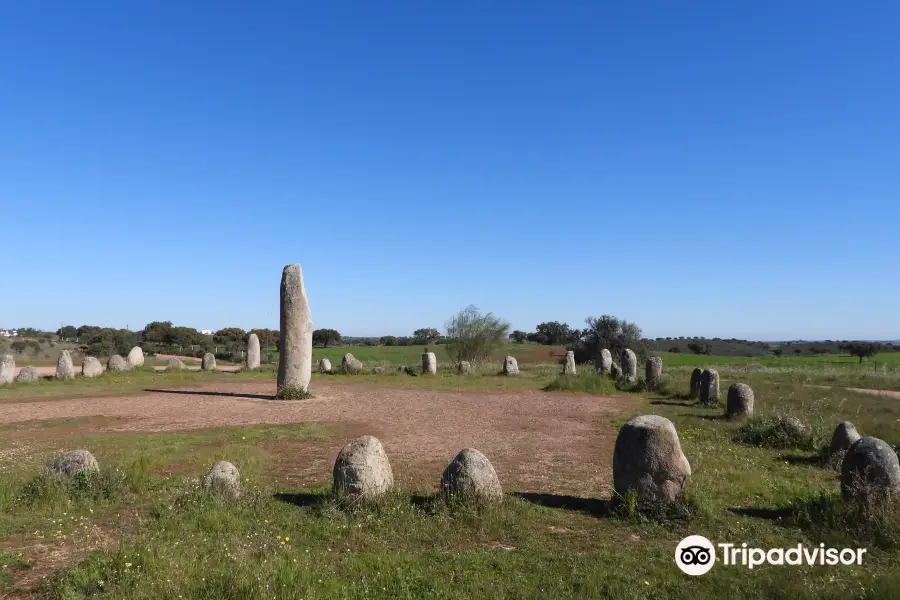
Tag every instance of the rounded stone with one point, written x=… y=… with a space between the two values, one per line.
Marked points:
x=74 y=462
x=870 y=469
x=604 y=361
x=740 y=401
x=471 y=477
x=510 y=366
x=7 y=369
x=349 y=364
x=629 y=364
x=615 y=370
x=91 y=367
x=377 y=370
x=136 y=357
x=709 y=387
x=429 y=363
x=116 y=364
x=209 y=362
x=844 y=436
x=653 y=369
x=223 y=479
x=253 y=353
x=648 y=459
x=64 y=367
x=464 y=368
x=27 y=375
x=324 y=365
x=569 y=368
x=792 y=426
x=696 y=376
x=174 y=364
x=362 y=470
x=295 y=358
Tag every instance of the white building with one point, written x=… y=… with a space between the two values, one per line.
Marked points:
x=206 y=331
x=9 y=332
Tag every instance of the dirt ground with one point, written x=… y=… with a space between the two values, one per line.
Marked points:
x=537 y=441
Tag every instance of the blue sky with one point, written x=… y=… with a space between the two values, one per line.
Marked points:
x=701 y=168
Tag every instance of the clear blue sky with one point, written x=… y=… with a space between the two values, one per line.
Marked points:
x=702 y=168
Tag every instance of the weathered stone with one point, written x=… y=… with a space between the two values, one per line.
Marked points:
x=349 y=364
x=696 y=376
x=870 y=469
x=91 y=367
x=27 y=375
x=844 y=436
x=325 y=365
x=653 y=368
x=615 y=370
x=510 y=366
x=224 y=480
x=116 y=364
x=740 y=401
x=629 y=365
x=429 y=363
x=209 y=362
x=406 y=370
x=648 y=459
x=569 y=368
x=64 y=367
x=136 y=357
x=709 y=387
x=604 y=361
x=362 y=470
x=7 y=369
x=471 y=477
x=791 y=426
x=253 y=354
x=295 y=362
x=174 y=364
x=464 y=368
x=74 y=462
x=377 y=370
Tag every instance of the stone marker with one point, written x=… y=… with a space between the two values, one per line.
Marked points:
x=116 y=364
x=510 y=366
x=870 y=470
x=604 y=361
x=253 y=354
x=429 y=363
x=569 y=368
x=377 y=370
x=740 y=401
x=64 y=368
x=464 y=368
x=136 y=357
x=7 y=369
x=224 y=480
x=324 y=365
x=362 y=470
x=844 y=436
x=709 y=387
x=349 y=364
x=696 y=375
x=91 y=367
x=295 y=360
x=615 y=370
x=173 y=364
x=648 y=459
x=629 y=364
x=27 y=375
x=209 y=362
x=74 y=462
x=471 y=477
x=653 y=372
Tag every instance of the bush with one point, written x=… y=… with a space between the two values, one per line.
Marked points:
x=588 y=381
x=474 y=337
x=289 y=392
x=781 y=432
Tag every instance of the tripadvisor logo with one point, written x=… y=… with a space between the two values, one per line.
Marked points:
x=696 y=555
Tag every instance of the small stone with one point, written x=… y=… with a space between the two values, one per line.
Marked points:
x=74 y=462
x=7 y=369
x=569 y=368
x=870 y=470
x=604 y=361
x=629 y=365
x=844 y=436
x=64 y=367
x=740 y=401
x=116 y=364
x=223 y=479
x=27 y=375
x=709 y=387
x=173 y=364
x=209 y=362
x=648 y=459
x=324 y=365
x=653 y=368
x=253 y=353
x=91 y=367
x=362 y=470
x=349 y=364
x=615 y=370
x=696 y=376
x=510 y=366
x=136 y=357
x=470 y=476
x=464 y=368
x=429 y=363
x=377 y=370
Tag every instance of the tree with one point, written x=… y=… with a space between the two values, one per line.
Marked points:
x=67 y=333
x=425 y=336
x=861 y=349
x=474 y=337
x=518 y=336
x=607 y=332
x=536 y=338
x=229 y=335
x=156 y=332
x=778 y=351
x=387 y=340
x=554 y=333
x=323 y=337
x=698 y=348
x=675 y=350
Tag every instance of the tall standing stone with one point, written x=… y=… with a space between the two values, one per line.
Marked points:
x=569 y=368
x=7 y=369
x=253 y=351
x=696 y=374
x=136 y=357
x=91 y=367
x=604 y=361
x=429 y=363
x=740 y=400
x=629 y=364
x=709 y=387
x=209 y=362
x=653 y=372
x=648 y=460
x=510 y=366
x=295 y=360
x=64 y=368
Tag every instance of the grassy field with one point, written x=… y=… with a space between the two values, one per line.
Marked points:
x=144 y=530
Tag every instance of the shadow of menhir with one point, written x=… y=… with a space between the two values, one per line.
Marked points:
x=301 y=498
x=226 y=394
x=769 y=514
x=590 y=506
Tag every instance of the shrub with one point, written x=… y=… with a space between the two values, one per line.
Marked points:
x=588 y=381
x=782 y=432
x=290 y=392
x=474 y=337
